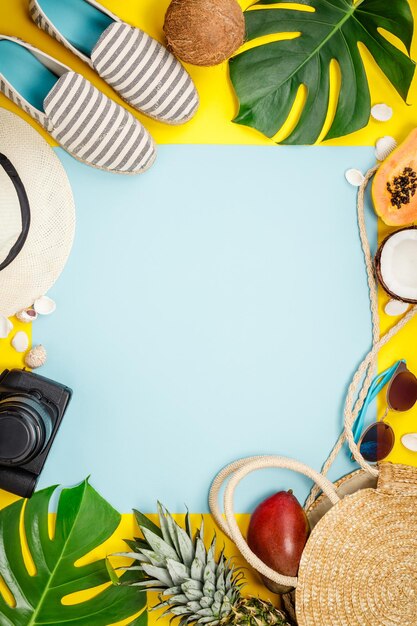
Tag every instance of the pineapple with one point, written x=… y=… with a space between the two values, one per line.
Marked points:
x=194 y=585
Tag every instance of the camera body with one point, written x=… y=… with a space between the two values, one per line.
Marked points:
x=31 y=411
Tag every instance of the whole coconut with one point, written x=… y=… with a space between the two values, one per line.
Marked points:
x=204 y=32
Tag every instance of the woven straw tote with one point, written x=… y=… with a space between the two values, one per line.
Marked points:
x=359 y=566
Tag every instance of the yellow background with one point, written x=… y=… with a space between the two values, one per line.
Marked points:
x=218 y=104
x=212 y=125
x=128 y=528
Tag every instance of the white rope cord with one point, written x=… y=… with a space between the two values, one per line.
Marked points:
x=373 y=297
x=370 y=273
x=237 y=471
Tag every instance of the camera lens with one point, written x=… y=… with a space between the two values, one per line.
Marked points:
x=25 y=427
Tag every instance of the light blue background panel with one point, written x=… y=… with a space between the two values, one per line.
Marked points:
x=213 y=308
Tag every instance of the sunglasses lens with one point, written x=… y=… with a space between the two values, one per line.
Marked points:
x=402 y=394
x=377 y=442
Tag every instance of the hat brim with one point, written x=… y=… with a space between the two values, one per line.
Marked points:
x=52 y=213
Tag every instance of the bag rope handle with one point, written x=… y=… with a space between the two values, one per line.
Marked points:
x=234 y=473
x=373 y=301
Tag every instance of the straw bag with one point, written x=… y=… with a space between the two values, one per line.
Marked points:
x=359 y=566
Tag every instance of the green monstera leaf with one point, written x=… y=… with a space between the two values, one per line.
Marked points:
x=267 y=77
x=84 y=521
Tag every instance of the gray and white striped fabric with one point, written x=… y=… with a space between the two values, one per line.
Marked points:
x=95 y=129
x=138 y=67
x=145 y=74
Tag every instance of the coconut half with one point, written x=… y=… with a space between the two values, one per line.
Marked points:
x=396 y=265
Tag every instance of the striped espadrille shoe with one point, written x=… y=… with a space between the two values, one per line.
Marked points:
x=139 y=68
x=84 y=121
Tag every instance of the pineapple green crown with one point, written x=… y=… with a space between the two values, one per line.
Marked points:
x=194 y=585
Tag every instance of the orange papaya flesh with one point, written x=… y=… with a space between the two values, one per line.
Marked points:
x=394 y=190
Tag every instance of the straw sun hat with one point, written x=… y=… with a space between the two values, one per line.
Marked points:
x=37 y=215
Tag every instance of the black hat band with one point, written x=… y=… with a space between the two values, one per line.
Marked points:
x=24 y=209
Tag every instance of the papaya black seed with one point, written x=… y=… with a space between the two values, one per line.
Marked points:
x=402 y=187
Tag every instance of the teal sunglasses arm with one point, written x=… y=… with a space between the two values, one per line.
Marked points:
x=377 y=385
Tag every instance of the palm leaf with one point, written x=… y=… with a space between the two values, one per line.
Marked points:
x=84 y=521
x=267 y=77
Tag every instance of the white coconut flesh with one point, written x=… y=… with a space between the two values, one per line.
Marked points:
x=398 y=264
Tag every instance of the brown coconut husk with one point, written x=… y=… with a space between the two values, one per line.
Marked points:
x=204 y=32
x=379 y=272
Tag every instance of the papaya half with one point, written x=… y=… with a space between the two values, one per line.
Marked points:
x=394 y=190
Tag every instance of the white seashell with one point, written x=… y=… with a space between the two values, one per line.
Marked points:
x=354 y=177
x=384 y=147
x=409 y=441
x=27 y=315
x=381 y=112
x=396 y=307
x=20 y=341
x=36 y=357
x=6 y=327
x=44 y=305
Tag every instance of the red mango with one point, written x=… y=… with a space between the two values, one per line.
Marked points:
x=278 y=532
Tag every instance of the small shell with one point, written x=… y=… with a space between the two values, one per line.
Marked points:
x=44 y=305
x=354 y=177
x=384 y=147
x=36 y=357
x=20 y=341
x=409 y=441
x=5 y=327
x=381 y=112
x=27 y=315
x=396 y=307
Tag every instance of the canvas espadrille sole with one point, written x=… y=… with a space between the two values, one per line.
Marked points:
x=142 y=71
x=85 y=122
